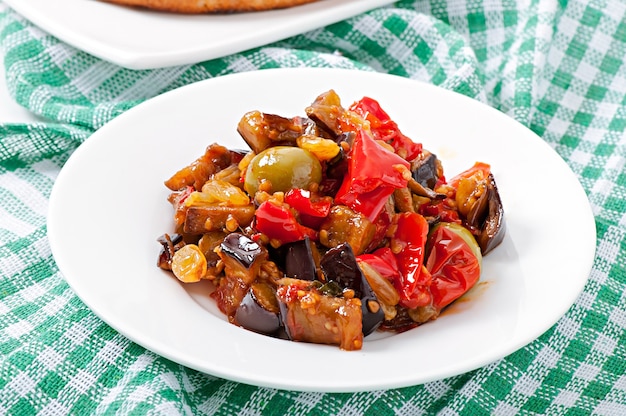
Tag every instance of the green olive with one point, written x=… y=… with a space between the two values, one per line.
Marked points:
x=284 y=167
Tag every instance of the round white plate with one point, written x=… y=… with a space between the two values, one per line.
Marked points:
x=109 y=205
x=143 y=39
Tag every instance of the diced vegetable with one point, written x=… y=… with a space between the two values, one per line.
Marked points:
x=259 y=310
x=331 y=227
x=310 y=316
x=189 y=264
x=282 y=168
x=340 y=265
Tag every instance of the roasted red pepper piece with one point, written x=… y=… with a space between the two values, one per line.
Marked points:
x=404 y=264
x=454 y=261
x=278 y=223
x=386 y=129
x=373 y=173
x=311 y=212
x=384 y=262
x=477 y=167
x=410 y=236
x=300 y=200
x=440 y=210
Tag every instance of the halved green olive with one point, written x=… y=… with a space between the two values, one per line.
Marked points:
x=284 y=167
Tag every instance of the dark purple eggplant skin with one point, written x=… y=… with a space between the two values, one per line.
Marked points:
x=254 y=317
x=169 y=244
x=241 y=248
x=487 y=216
x=493 y=227
x=426 y=172
x=299 y=261
x=295 y=259
x=339 y=264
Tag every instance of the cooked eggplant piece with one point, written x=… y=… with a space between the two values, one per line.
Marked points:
x=340 y=265
x=420 y=190
x=326 y=111
x=242 y=258
x=346 y=225
x=487 y=215
x=299 y=260
x=214 y=217
x=259 y=310
x=426 y=169
x=479 y=205
x=215 y=158
x=261 y=130
x=169 y=245
x=310 y=316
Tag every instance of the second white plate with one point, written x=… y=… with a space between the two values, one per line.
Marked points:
x=142 y=39
x=109 y=205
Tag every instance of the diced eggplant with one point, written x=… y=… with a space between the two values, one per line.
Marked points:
x=169 y=245
x=201 y=219
x=340 y=265
x=299 y=260
x=242 y=258
x=242 y=249
x=261 y=130
x=326 y=111
x=338 y=166
x=310 y=316
x=420 y=190
x=426 y=170
x=346 y=225
x=487 y=215
x=259 y=310
x=215 y=158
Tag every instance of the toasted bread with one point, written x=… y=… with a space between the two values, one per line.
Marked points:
x=210 y=6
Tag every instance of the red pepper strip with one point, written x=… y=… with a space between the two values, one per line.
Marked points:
x=386 y=129
x=478 y=166
x=384 y=262
x=372 y=176
x=453 y=265
x=369 y=204
x=405 y=269
x=300 y=200
x=440 y=210
x=411 y=234
x=278 y=223
x=382 y=223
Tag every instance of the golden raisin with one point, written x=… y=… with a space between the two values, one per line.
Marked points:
x=189 y=264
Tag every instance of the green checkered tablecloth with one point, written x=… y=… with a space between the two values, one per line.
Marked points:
x=558 y=67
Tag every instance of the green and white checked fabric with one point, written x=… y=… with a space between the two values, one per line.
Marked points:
x=558 y=67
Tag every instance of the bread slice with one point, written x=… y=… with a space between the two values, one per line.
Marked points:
x=211 y=6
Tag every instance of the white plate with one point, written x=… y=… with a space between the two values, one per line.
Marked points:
x=141 y=39
x=108 y=206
